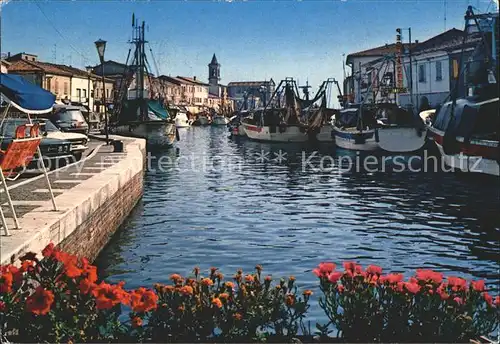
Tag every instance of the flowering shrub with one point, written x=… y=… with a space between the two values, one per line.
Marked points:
x=59 y=299
x=367 y=306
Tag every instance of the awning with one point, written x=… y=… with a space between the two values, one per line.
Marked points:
x=24 y=95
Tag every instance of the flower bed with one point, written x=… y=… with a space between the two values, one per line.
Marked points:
x=59 y=299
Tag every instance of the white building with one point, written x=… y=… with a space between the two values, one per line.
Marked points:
x=4 y=66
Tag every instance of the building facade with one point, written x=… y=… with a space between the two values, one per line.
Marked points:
x=258 y=92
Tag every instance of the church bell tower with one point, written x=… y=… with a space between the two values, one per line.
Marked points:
x=214 y=76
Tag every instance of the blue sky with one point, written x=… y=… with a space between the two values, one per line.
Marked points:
x=253 y=40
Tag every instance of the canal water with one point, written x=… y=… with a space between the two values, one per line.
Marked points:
x=231 y=204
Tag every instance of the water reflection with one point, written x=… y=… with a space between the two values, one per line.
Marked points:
x=238 y=209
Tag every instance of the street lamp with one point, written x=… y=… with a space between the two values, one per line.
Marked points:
x=101 y=48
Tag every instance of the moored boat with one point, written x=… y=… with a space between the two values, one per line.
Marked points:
x=354 y=129
x=398 y=131
x=182 y=120
x=219 y=120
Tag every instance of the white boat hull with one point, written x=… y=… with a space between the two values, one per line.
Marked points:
x=238 y=131
x=356 y=140
x=478 y=156
x=158 y=134
x=290 y=134
x=182 y=120
x=400 y=139
x=220 y=120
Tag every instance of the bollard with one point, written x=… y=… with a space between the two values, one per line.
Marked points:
x=117 y=146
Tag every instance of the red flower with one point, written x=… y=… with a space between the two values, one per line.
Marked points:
x=6 y=279
x=334 y=276
x=72 y=271
x=412 y=287
x=3 y=307
x=497 y=301
x=392 y=278
x=324 y=269
x=340 y=288
x=108 y=296
x=143 y=300
x=349 y=266
x=48 y=250
x=458 y=300
x=374 y=270
x=429 y=275
x=86 y=286
x=442 y=293
x=457 y=283
x=478 y=285
x=40 y=301
x=488 y=298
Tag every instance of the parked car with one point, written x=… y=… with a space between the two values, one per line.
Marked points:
x=69 y=118
x=55 y=152
x=79 y=142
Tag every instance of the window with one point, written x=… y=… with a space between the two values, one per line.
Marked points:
x=49 y=88
x=439 y=71
x=107 y=93
x=421 y=73
x=56 y=85
x=84 y=93
x=79 y=93
x=65 y=90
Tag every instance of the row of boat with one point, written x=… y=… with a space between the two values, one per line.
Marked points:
x=465 y=131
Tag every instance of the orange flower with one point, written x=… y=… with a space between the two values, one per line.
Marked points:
x=167 y=289
x=290 y=300
x=175 y=277
x=90 y=272
x=224 y=296
x=187 y=290
x=207 y=282
x=291 y=278
x=229 y=285
x=143 y=300
x=72 y=271
x=108 y=296
x=219 y=276
x=249 y=278
x=40 y=301
x=307 y=292
x=217 y=302
x=237 y=316
x=136 y=322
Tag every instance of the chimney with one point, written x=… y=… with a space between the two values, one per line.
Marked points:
x=8 y=54
x=416 y=41
x=194 y=77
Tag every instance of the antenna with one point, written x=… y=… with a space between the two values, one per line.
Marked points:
x=445 y=15
x=54 y=54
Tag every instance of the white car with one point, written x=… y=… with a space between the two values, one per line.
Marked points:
x=79 y=142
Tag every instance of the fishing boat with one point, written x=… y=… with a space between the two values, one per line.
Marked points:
x=136 y=114
x=299 y=120
x=202 y=119
x=466 y=130
x=398 y=131
x=182 y=120
x=354 y=129
x=235 y=126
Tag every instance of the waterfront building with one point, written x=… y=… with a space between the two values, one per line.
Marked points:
x=434 y=70
x=4 y=66
x=254 y=90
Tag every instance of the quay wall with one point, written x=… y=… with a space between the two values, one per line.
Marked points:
x=88 y=214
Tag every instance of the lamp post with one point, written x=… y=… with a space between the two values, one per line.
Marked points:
x=101 y=47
